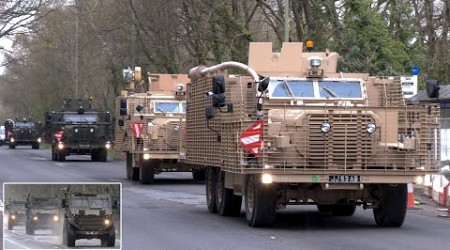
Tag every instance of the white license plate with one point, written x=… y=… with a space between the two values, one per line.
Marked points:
x=344 y=178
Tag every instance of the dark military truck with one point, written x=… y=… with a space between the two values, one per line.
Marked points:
x=78 y=129
x=42 y=213
x=88 y=216
x=25 y=132
x=15 y=211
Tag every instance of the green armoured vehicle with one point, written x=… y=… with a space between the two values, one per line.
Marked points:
x=25 y=132
x=78 y=129
x=15 y=211
x=88 y=216
x=42 y=213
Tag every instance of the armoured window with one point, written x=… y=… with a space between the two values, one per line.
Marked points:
x=170 y=107
x=46 y=204
x=79 y=202
x=80 y=118
x=291 y=88
x=24 y=124
x=99 y=202
x=340 y=89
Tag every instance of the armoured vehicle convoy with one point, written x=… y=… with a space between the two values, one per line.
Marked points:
x=78 y=129
x=88 y=216
x=15 y=212
x=295 y=131
x=25 y=132
x=150 y=125
x=42 y=213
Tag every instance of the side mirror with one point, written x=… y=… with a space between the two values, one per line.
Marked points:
x=218 y=100
x=121 y=122
x=263 y=84
x=139 y=108
x=209 y=111
x=432 y=87
x=218 y=83
x=123 y=106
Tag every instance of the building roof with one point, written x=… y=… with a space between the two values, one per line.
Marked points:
x=444 y=96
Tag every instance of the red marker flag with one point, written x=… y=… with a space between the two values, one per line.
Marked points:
x=251 y=138
x=136 y=128
x=58 y=135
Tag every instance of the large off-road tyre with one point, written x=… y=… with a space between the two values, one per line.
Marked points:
x=147 y=171
x=60 y=156
x=338 y=210
x=132 y=173
x=69 y=236
x=226 y=202
x=111 y=241
x=35 y=145
x=11 y=145
x=260 y=202
x=54 y=154
x=210 y=184
x=94 y=156
x=10 y=224
x=199 y=175
x=29 y=228
x=102 y=155
x=392 y=206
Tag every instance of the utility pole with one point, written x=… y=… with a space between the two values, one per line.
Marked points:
x=76 y=49
x=133 y=36
x=286 y=20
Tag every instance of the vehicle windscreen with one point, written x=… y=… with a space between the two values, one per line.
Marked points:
x=170 y=107
x=16 y=207
x=100 y=202
x=46 y=204
x=24 y=124
x=79 y=201
x=76 y=118
x=338 y=89
x=291 y=88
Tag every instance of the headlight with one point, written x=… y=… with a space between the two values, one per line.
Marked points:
x=60 y=146
x=267 y=178
x=419 y=180
x=371 y=128
x=11 y=140
x=108 y=145
x=107 y=222
x=35 y=218
x=39 y=140
x=146 y=156
x=55 y=218
x=325 y=127
x=13 y=217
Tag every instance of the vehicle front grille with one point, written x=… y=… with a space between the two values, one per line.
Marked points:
x=346 y=143
x=91 y=222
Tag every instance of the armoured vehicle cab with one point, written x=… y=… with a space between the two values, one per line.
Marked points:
x=78 y=129
x=88 y=216
x=150 y=124
x=15 y=212
x=25 y=132
x=42 y=213
x=295 y=131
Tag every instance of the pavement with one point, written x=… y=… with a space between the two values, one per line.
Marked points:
x=425 y=205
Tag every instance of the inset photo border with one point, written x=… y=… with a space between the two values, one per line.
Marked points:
x=62 y=215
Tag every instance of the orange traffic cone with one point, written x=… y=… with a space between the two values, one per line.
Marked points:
x=411 y=201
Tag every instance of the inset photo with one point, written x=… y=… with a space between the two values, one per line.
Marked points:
x=62 y=215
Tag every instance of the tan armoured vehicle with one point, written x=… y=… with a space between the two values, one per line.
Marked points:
x=150 y=123
x=295 y=131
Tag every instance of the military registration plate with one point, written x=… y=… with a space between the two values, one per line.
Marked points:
x=84 y=146
x=344 y=178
